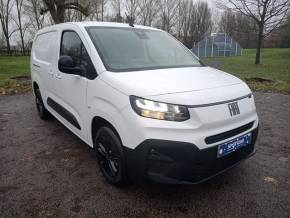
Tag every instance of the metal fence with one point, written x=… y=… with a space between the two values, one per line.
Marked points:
x=13 y=52
x=219 y=44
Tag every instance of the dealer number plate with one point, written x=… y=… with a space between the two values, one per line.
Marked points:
x=233 y=145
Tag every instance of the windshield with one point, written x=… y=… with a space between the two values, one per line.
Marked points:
x=132 y=49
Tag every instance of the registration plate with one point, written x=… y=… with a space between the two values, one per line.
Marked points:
x=233 y=145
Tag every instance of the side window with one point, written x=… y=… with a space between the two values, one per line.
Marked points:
x=43 y=47
x=71 y=45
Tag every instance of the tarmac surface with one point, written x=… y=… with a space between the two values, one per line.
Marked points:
x=46 y=171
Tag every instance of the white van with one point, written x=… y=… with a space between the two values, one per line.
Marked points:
x=146 y=104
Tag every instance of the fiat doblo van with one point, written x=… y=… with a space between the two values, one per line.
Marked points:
x=146 y=104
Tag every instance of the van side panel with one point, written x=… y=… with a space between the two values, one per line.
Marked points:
x=42 y=60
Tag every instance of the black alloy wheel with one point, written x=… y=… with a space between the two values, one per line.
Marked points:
x=109 y=152
x=42 y=112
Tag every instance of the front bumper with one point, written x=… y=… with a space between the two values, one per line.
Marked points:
x=174 y=162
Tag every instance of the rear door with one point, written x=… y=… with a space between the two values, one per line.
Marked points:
x=43 y=59
x=69 y=97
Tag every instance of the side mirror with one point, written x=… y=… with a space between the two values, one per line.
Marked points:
x=67 y=65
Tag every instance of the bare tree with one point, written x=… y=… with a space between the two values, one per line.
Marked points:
x=73 y=15
x=284 y=31
x=190 y=21
x=268 y=15
x=116 y=6
x=57 y=8
x=201 y=21
x=131 y=7
x=186 y=9
x=22 y=27
x=239 y=27
x=148 y=11
x=97 y=9
x=32 y=10
x=102 y=9
x=5 y=18
x=168 y=16
x=227 y=22
x=2 y=39
x=180 y=21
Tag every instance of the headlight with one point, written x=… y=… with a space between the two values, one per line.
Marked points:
x=159 y=110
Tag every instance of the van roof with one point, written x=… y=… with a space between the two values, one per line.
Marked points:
x=95 y=23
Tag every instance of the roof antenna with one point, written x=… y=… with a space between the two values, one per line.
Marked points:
x=130 y=20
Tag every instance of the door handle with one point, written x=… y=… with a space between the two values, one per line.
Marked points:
x=35 y=65
x=50 y=73
x=58 y=76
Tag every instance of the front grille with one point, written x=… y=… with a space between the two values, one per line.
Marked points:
x=228 y=134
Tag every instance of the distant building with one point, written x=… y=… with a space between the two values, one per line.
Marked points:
x=218 y=44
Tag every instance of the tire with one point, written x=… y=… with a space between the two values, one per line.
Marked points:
x=42 y=112
x=110 y=156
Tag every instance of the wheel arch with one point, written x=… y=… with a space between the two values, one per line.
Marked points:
x=35 y=86
x=97 y=123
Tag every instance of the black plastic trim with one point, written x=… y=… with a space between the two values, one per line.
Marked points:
x=228 y=134
x=220 y=102
x=35 y=65
x=174 y=162
x=63 y=112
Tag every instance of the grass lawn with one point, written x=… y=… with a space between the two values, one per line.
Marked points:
x=13 y=66
x=274 y=67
